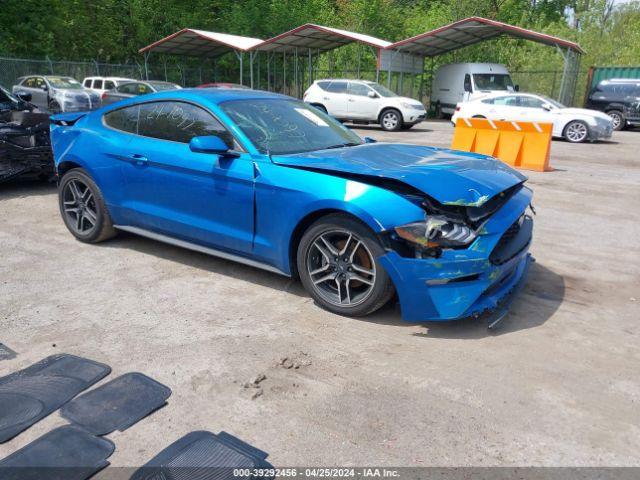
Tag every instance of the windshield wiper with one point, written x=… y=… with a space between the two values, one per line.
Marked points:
x=342 y=145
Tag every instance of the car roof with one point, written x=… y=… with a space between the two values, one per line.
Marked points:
x=213 y=95
x=344 y=80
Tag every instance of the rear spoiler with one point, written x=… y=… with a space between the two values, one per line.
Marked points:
x=67 y=119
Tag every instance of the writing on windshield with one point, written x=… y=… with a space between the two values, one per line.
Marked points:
x=282 y=126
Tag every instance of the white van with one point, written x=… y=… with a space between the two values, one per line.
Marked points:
x=102 y=84
x=461 y=82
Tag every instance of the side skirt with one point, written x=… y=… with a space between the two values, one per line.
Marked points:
x=199 y=248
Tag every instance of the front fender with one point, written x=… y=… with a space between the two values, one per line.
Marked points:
x=286 y=196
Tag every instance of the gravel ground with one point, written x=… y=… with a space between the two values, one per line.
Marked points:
x=557 y=384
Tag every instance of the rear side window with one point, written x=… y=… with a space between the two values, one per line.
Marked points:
x=179 y=122
x=323 y=85
x=337 y=87
x=87 y=83
x=123 y=119
x=109 y=85
x=530 y=102
x=30 y=82
x=97 y=84
x=509 y=101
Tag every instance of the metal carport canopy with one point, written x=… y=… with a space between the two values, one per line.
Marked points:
x=470 y=31
x=200 y=43
x=318 y=38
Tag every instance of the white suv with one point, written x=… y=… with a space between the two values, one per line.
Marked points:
x=102 y=84
x=361 y=101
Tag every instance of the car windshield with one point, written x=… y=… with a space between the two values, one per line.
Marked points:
x=492 y=81
x=281 y=126
x=552 y=102
x=160 y=86
x=64 y=82
x=382 y=91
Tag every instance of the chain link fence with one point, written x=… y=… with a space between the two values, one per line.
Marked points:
x=545 y=82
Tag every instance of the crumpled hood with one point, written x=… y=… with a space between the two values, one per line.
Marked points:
x=451 y=177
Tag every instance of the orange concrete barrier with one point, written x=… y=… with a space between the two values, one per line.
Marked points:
x=519 y=144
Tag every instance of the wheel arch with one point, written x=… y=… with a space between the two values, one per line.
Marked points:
x=305 y=222
x=387 y=108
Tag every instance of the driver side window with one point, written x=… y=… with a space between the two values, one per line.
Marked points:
x=179 y=122
x=358 y=89
x=530 y=102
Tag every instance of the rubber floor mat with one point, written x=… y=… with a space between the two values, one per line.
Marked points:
x=66 y=453
x=33 y=393
x=204 y=456
x=118 y=404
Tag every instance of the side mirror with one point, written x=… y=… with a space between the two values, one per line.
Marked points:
x=516 y=88
x=26 y=96
x=546 y=106
x=44 y=87
x=372 y=94
x=211 y=144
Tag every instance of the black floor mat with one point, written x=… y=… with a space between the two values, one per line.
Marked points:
x=66 y=453
x=33 y=393
x=204 y=456
x=117 y=405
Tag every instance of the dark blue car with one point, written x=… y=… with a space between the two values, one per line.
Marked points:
x=269 y=181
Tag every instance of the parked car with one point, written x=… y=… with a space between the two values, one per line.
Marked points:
x=364 y=102
x=618 y=98
x=461 y=82
x=222 y=85
x=56 y=94
x=100 y=85
x=24 y=138
x=573 y=124
x=272 y=182
x=134 y=89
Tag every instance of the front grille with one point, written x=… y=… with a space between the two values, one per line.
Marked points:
x=513 y=241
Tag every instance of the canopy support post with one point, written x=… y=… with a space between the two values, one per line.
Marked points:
x=569 y=74
x=295 y=72
x=268 y=72
x=309 y=67
x=284 y=72
x=251 y=68
x=146 y=67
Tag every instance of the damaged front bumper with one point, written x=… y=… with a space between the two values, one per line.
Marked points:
x=470 y=282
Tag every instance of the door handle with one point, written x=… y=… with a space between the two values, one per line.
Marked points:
x=139 y=159
x=351 y=100
x=325 y=98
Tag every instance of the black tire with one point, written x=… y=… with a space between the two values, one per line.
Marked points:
x=54 y=107
x=619 y=122
x=90 y=222
x=391 y=120
x=479 y=116
x=576 y=131
x=438 y=111
x=319 y=107
x=364 y=248
x=407 y=126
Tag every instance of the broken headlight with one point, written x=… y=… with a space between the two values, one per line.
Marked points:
x=437 y=232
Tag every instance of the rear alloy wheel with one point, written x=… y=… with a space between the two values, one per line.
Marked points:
x=82 y=208
x=618 y=119
x=391 y=120
x=337 y=263
x=576 y=131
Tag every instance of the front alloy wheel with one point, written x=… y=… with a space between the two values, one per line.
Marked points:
x=576 y=131
x=338 y=267
x=391 y=120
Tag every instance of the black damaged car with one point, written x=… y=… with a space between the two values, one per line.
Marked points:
x=25 y=147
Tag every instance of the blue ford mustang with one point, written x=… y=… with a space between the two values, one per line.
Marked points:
x=269 y=181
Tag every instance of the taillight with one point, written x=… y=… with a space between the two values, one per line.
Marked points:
x=103 y=96
x=457 y=108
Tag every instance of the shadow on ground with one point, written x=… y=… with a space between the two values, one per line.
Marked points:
x=26 y=187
